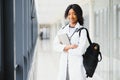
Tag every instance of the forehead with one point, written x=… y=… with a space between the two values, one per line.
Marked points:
x=71 y=11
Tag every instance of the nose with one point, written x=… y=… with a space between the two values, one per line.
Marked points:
x=71 y=16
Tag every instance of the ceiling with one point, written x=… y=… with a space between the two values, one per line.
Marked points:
x=49 y=11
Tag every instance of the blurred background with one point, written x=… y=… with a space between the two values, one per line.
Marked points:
x=28 y=28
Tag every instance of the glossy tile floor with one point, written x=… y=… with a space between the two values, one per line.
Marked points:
x=48 y=62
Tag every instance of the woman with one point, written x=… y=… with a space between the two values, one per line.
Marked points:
x=71 y=60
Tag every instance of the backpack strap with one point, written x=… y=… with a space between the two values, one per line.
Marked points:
x=89 y=40
x=100 y=57
x=88 y=37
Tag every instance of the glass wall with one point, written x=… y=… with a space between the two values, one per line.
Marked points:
x=116 y=39
x=0 y=35
x=0 y=42
x=107 y=33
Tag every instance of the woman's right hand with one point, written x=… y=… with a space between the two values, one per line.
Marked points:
x=67 y=47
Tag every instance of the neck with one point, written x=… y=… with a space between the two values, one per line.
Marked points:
x=72 y=24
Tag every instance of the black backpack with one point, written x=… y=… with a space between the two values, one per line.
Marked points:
x=90 y=57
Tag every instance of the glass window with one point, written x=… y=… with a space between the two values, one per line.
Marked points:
x=0 y=38
x=97 y=24
x=119 y=21
x=116 y=24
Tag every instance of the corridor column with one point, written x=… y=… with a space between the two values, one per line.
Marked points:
x=91 y=18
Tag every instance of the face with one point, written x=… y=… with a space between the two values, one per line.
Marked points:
x=72 y=16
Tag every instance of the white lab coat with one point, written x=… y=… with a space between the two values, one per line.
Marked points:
x=74 y=56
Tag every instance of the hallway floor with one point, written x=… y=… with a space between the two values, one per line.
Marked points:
x=48 y=62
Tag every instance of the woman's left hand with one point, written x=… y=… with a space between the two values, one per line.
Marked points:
x=73 y=46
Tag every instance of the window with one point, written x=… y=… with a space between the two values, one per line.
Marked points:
x=119 y=21
x=97 y=23
x=0 y=48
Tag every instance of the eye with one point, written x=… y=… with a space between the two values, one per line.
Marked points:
x=68 y=14
x=75 y=14
x=71 y=14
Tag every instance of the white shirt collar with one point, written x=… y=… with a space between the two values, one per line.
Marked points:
x=77 y=25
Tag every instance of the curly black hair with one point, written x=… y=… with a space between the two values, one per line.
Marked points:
x=78 y=11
